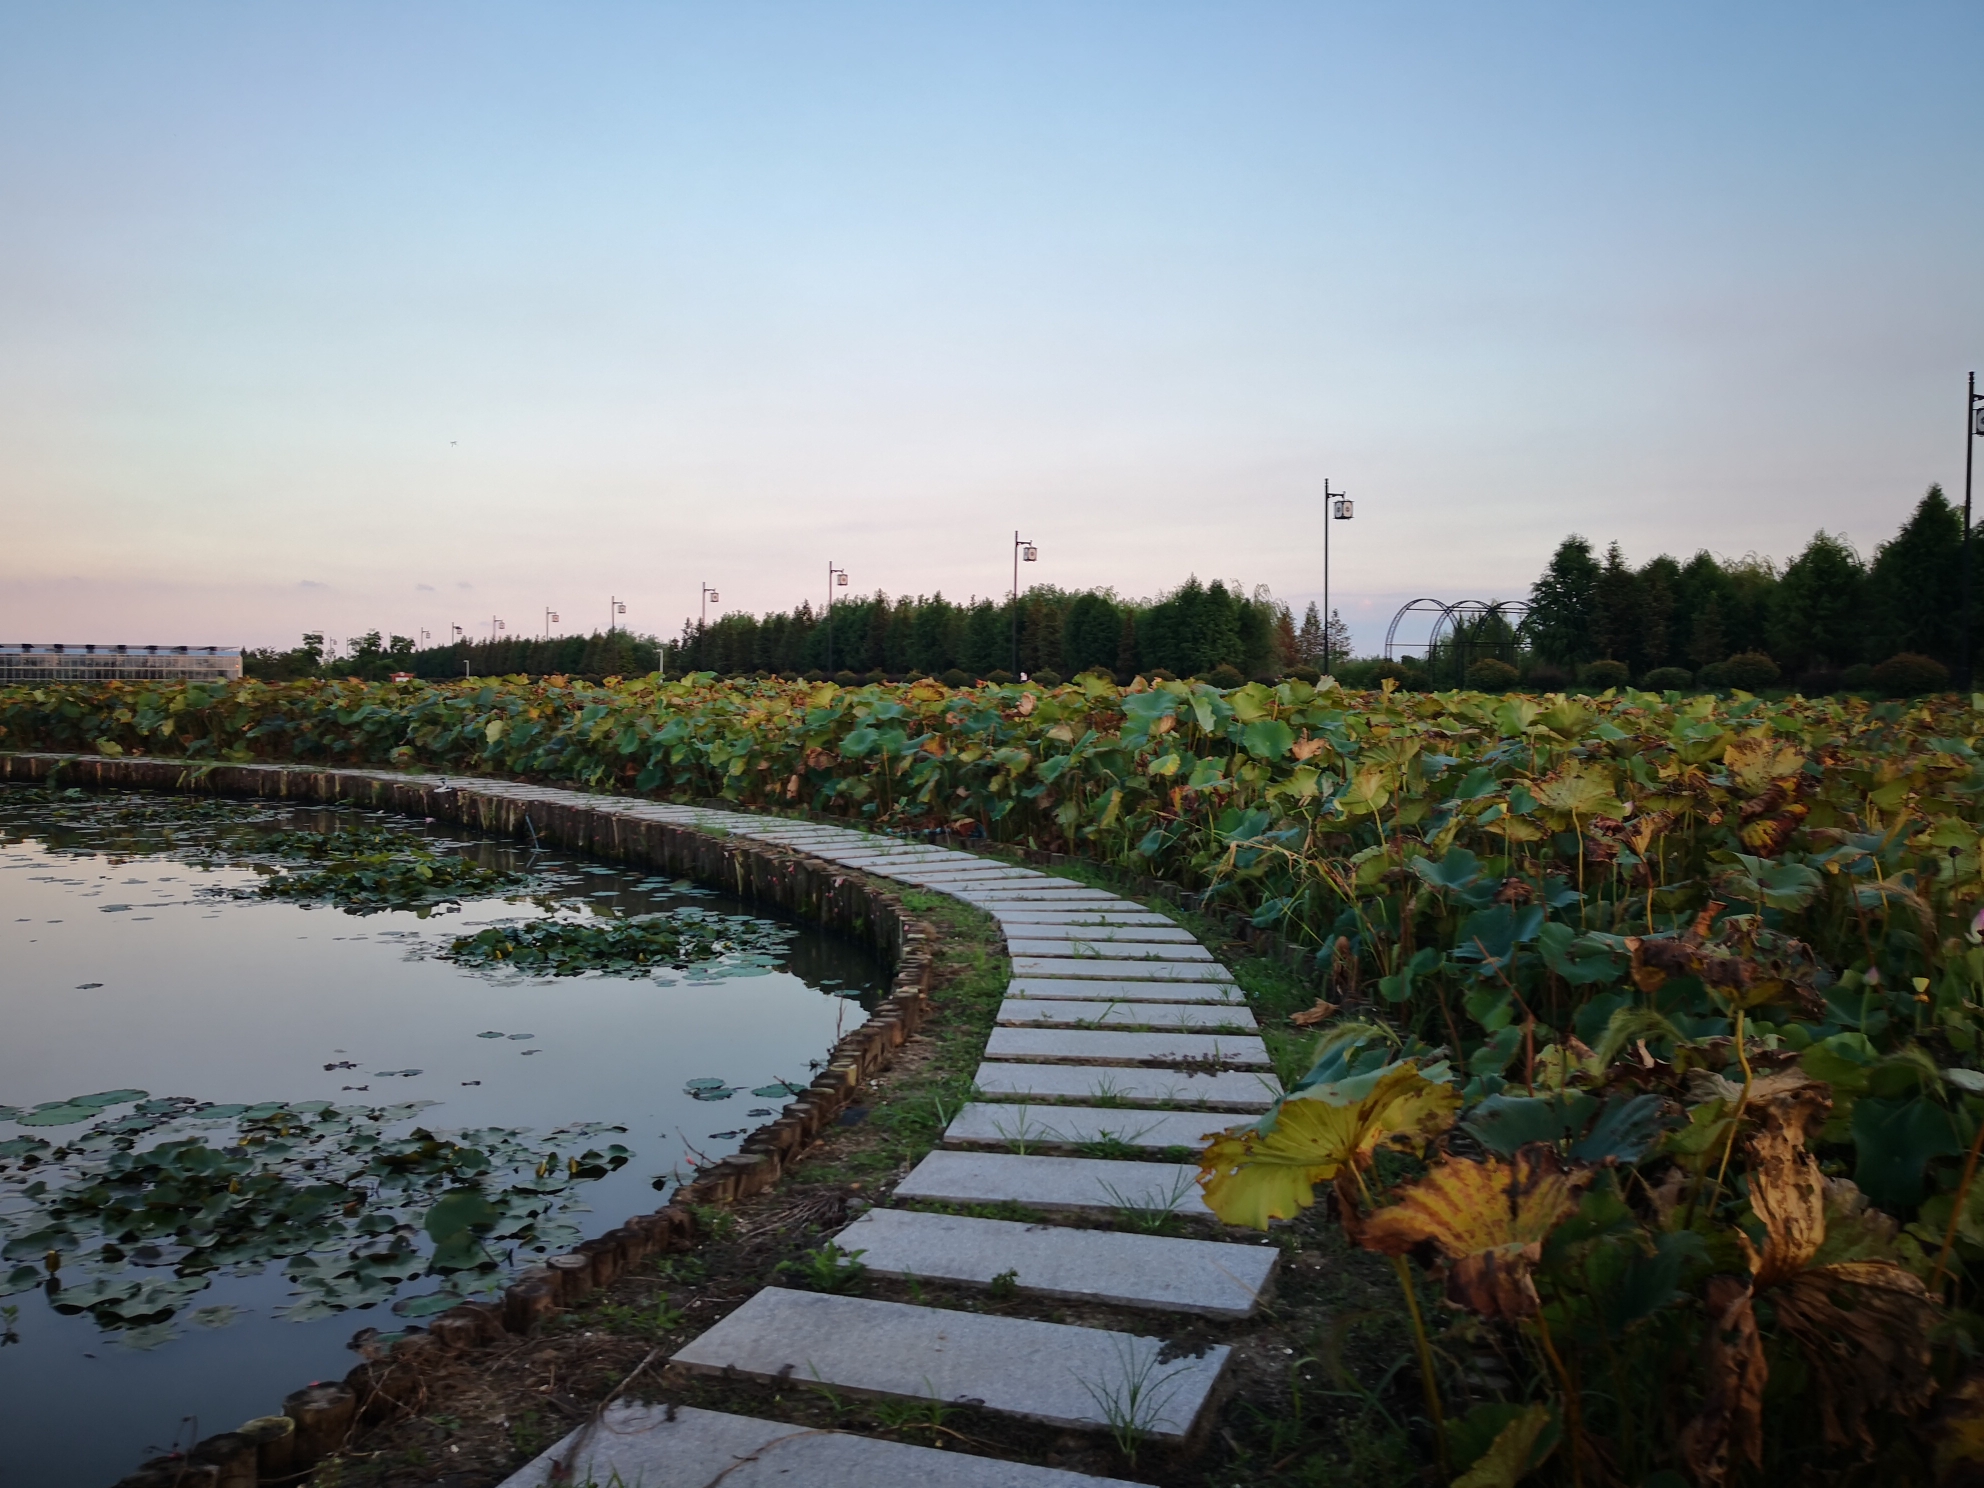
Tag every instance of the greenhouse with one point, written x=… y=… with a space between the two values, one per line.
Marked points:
x=24 y=663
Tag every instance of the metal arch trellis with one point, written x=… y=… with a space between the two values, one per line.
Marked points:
x=1455 y=618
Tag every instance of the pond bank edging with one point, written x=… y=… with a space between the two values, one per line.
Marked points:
x=317 y=1419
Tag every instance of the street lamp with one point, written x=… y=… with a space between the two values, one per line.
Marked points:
x=835 y=577
x=709 y=595
x=1023 y=551
x=1340 y=510
x=494 y=626
x=550 y=619
x=1973 y=427
x=614 y=607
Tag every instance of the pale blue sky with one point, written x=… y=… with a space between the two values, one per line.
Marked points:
x=306 y=308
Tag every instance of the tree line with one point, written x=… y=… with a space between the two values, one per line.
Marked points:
x=1195 y=630
x=1820 y=620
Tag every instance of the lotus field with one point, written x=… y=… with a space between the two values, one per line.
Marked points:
x=1649 y=1024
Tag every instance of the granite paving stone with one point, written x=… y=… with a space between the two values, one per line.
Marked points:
x=1080 y=1185
x=1119 y=967
x=993 y=1124
x=1103 y=989
x=1047 y=1372
x=1236 y=1090
x=1105 y=1046
x=1098 y=935
x=1096 y=949
x=1209 y=1277
x=1044 y=1012
x=669 y=1446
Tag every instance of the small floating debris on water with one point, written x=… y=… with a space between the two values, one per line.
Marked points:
x=471 y=1082
x=342 y=1064
x=759 y=1111
x=354 y=1087
x=87 y=986
x=724 y=1136
x=491 y=1033
x=388 y=1074
x=518 y=1037
x=529 y=1052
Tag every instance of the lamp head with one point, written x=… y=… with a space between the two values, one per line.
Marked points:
x=1341 y=509
x=1029 y=554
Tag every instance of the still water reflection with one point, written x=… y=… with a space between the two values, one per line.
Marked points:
x=125 y=966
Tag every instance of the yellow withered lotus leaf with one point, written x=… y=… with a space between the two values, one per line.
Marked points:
x=1488 y=1219
x=1250 y=1178
x=1578 y=791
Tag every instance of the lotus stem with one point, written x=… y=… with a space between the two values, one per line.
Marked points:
x=1742 y=1105
x=1956 y=1208
x=1573 y=1406
x=1425 y=1350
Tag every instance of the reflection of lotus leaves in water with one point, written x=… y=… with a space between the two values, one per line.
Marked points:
x=327 y=1190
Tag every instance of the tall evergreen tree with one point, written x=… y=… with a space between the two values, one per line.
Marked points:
x=1915 y=583
x=1818 y=615
x=1309 y=642
x=1563 y=605
x=1092 y=634
x=1340 y=646
x=1617 y=619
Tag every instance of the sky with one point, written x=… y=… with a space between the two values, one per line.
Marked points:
x=376 y=316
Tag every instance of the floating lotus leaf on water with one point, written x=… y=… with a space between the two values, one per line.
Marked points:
x=59 y=1114
x=704 y=1082
x=149 y=1337
x=15 y=1147
x=519 y=1037
x=428 y=1304
x=8 y=1113
x=491 y=1033
x=218 y=1316
x=19 y=1279
x=777 y=1089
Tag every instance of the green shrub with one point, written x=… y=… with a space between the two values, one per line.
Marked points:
x=1305 y=674
x=1226 y=675
x=1601 y=675
x=1543 y=677
x=1752 y=671
x=1047 y=679
x=1161 y=675
x=1908 y=674
x=1001 y=678
x=956 y=678
x=1491 y=674
x=1858 y=677
x=846 y=679
x=1667 y=679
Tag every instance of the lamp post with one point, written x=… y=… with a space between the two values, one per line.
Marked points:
x=1339 y=509
x=835 y=576
x=1022 y=551
x=614 y=607
x=550 y=619
x=1973 y=426
x=708 y=595
x=494 y=626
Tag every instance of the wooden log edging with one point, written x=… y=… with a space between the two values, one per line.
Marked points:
x=320 y=1418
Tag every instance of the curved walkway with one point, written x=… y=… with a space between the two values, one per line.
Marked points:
x=1118 y=1030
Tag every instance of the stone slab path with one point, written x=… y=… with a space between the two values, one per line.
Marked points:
x=656 y=1446
x=1121 y=1039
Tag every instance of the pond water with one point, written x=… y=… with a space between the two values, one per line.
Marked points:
x=209 y=1097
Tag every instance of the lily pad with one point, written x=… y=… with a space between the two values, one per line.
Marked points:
x=108 y=1098
x=776 y=1090
x=491 y=1033
x=62 y=1113
x=428 y=1304
x=220 y=1315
